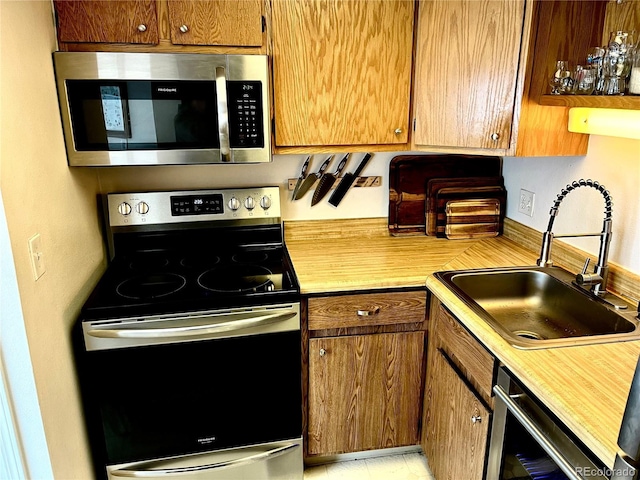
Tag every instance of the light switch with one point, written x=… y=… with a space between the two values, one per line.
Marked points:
x=37 y=257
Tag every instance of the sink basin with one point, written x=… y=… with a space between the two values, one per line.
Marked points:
x=540 y=307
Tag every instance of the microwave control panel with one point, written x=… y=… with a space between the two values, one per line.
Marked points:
x=245 y=114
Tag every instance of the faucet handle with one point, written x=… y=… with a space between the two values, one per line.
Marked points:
x=586 y=265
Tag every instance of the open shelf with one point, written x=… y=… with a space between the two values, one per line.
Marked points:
x=627 y=102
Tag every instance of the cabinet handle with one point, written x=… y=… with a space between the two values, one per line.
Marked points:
x=368 y=313
x=476 y=419
x=142 y=27
x=397 y=131
x=184 y=28
x=323 y=352
x=495 y=137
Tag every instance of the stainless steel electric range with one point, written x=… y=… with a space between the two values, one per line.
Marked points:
x=188 y=349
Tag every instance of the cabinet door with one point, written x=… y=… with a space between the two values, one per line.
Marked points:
x=457 y=424
x=216 y=22
x=99 y=21
x=467 y=54
x=342 y=71
x=364 y=392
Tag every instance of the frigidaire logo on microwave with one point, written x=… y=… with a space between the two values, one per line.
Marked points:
x=167 y=90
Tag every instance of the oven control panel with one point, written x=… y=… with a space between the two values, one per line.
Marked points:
x=155 y=208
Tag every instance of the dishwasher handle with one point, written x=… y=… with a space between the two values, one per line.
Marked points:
x=530 y=426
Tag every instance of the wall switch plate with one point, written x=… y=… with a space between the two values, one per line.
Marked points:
x=525 y=205
x=36 y=255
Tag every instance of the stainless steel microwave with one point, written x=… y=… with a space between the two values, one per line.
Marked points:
x=163 y=109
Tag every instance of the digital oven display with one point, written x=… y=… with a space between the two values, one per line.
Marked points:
x=197 y=205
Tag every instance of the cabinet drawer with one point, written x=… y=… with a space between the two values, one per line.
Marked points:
x=367 y=309
x=466 y=353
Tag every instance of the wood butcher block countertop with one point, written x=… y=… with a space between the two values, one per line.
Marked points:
x=585 y=386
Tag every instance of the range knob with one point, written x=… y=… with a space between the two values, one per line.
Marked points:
x=142 y=208
x=250 y=203
x=265 y=202
x=234 y=204
x=124 y=208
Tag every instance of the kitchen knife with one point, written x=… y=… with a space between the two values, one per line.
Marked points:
x=346 y=182
x=327 y=181
x=311 y=179
x=302 y=177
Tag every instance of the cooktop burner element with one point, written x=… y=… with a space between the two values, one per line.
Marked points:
x=179 y=252
x=144 y=287
x=235 y=278
x=200 y=260
x=149 y=262
x=250 y=257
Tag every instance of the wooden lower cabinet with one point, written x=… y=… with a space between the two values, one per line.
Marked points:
x=457 y=425
x=457 y=399
x=364 y=392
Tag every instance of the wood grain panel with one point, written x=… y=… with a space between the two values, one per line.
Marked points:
x=470 y=357
x=216 y=22
x=382 y=309
x=364 y=393
x=467 y=56
x=623 y=16
x=107 y=21
x=542 y=131
x=342 y=71
x=455 y=446
x=397 y=327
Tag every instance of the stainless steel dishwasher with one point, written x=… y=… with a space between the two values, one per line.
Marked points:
x=528 y=441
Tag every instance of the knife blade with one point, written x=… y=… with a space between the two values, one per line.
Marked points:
x=327 y=181
x=311 y=179
x=302 y=177
x=346 y=182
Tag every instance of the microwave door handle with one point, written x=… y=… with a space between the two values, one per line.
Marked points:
x=538 y=435
x=268 y=455
x=223 y=114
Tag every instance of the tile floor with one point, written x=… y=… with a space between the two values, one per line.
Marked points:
x=409 y=466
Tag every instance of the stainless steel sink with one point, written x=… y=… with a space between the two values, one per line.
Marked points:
x=541 y=307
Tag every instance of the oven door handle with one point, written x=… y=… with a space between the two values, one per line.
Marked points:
x=150 y=472
x=192 y=330
x=530 y=426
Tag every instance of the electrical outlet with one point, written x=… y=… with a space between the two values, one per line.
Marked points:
x=525 y=205
x=36 y=255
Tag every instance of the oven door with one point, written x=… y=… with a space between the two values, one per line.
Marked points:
x=528 y=441
x=179 y=386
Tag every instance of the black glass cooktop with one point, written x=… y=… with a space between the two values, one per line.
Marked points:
x=169 y=281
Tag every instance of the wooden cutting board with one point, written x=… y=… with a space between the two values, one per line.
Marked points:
x=435 y=184
x=408 y=175
x=473 y=218
x=445 y=195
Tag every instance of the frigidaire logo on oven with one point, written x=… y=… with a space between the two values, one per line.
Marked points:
x=206 y=440
x=167 y=90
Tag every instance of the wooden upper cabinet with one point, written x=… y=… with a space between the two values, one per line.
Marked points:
x=467 y=58
x=215 y=22
x=113 y=21
x=342 y=71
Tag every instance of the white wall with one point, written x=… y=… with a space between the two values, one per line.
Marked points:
x=42 y=195
x=614 y=162
x=358 y=203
